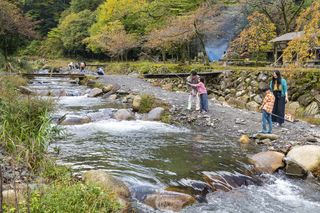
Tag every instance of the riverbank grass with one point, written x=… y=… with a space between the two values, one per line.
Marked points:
x=25 y=124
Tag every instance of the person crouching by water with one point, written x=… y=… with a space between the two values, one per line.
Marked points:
x=267 y=108
x=202 y=91
x=193 y=96
x=100 y=71
x=278 y=87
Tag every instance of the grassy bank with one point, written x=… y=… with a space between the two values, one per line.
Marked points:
x=24 y=122
x=26 y=131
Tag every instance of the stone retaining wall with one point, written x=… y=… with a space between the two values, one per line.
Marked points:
x=241 y=89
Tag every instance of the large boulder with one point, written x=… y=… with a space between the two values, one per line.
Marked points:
x=267 y=162
x=312 y=109
x=123 y=114
x=307 y=157
x=258 y=99
x=225 y=181
x=107 y=88
x=169 y=201
x=262 y=77
x=292 y=107
x=136 y=103
x=294 y=169
x=305 y=99
x=110 y=184
x=252 y=106
x=236 y=103
x=262 y=85
x=95 y=92
x=74 y=120
x=155 y=114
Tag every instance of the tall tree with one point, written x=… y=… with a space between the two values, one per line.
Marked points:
x=254 y=40
x=77 y=6
x=183 y=29
x=282 y=13
x=74 y=29
x=113 y=40
x=303 y=48
x=47 y=12
x=13 y=27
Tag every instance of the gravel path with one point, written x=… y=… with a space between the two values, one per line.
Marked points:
x=229 y=120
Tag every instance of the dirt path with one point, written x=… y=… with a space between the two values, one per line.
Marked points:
x=228 y=120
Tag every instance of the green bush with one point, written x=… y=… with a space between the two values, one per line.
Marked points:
x=72 y=197
x=32 y=49
x=147 y=103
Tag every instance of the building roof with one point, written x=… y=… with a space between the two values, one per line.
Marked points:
x=288 y=36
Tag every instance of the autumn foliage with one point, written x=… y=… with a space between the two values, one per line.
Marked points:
x=255 y=38
x=303 y=48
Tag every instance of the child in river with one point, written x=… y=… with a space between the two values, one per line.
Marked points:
x=267 y=107
x=202 y=90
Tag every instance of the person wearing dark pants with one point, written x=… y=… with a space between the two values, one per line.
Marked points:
x=278 y=87
x=204 y=102
x=202 y=90
x=267 y=108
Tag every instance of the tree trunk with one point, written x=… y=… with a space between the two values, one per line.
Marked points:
x=200 y=37
x=163 y=53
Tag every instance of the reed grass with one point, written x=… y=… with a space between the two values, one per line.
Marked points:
x=25 y=123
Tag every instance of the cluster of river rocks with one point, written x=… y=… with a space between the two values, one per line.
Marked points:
x=298 y=161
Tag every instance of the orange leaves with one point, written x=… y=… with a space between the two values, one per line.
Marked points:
x=302 y=49
x=255 y=38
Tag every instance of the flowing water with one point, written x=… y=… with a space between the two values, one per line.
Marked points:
x=157 y=155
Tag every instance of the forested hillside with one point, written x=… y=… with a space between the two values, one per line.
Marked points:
x=155 y=30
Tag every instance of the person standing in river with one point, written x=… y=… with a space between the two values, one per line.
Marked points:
x=194 y=95
x=278 y=87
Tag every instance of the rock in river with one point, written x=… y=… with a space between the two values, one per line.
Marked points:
x=261 y=136
x=109 y=183
x=74 y=120
x=244 y=139
x=307 y=157
x=136 y=103
x=226 y=181
x=169 y=201
x=95 y=92
x=155 y=114
x=123 y=114
x=267 y=162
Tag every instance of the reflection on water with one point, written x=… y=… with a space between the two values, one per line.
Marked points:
x=157 y=155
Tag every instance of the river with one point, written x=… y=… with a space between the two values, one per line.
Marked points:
x=157 y=155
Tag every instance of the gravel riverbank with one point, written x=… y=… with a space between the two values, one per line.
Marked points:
x=226 y=119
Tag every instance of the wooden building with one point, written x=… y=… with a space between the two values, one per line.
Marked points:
x=281 y=42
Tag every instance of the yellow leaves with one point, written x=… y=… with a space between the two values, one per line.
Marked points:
x=112 y=39
x=255 y=38
x=116 y=9
x=302 y=49
x=65 y=23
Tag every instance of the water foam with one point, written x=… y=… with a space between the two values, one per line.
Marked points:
x=78 y=101
x=115 y=127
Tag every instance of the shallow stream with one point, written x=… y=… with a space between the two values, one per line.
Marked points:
x=157 y=155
